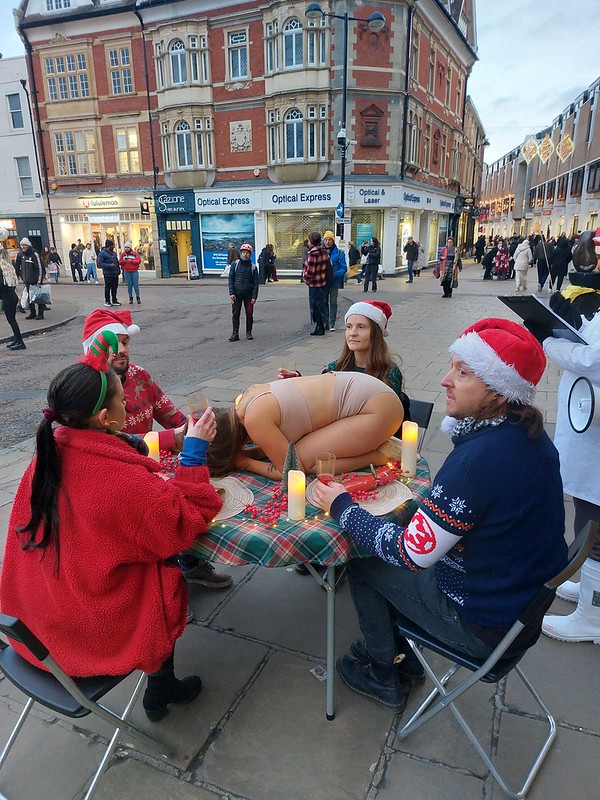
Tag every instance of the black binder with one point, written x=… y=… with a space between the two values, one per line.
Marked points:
x=530 y=307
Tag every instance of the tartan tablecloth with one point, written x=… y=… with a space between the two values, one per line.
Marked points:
x=317 y=538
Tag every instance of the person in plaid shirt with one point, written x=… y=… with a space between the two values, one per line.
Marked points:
x=314 y=276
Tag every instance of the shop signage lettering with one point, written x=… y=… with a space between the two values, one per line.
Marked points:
x=99 y=202
x=445 y=204
x=300 y=197
x=167 y=203
x=411 y=198
x=371 y=196
x=217 y=202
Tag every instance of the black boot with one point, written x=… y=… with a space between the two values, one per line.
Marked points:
x=164 y=688
x=409 y=669
x=11 y=341
x=377 y=681
x=18 y=345
x=318 y=331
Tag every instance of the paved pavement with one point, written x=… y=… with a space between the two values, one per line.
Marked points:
x=258 y=731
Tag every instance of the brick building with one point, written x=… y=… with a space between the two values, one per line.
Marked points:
x=227 y=116
x=552 y=184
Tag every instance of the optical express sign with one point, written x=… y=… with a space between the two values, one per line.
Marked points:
x=260 y=200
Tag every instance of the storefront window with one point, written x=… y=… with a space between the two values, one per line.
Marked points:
x=287 y=232
x=405 y=229
x=11 y=243
x=433 y=239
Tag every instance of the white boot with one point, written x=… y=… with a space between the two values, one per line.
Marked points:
x=569 y=590
x=583 y=625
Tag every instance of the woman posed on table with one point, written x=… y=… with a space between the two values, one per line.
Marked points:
x=349 y=414
x=91 y=572
x=365 y=349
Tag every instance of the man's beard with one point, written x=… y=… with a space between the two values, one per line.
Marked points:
x=121 y=368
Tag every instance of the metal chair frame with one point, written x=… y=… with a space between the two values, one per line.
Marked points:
x=73 y=698
x=420 y=412
x=495 y=667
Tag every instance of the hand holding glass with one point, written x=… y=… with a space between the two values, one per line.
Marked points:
x=197 y=403
x=325 y=467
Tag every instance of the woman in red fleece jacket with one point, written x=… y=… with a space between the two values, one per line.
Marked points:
x=89 y=571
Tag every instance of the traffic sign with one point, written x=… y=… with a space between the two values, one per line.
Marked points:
x=339 y=210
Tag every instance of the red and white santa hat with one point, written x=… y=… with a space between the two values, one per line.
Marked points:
x=504 y=355
x=102 y=319
x=376 y=310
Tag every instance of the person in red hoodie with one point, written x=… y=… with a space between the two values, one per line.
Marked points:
x=145 y=403
x=130 y=261
x=92 y=573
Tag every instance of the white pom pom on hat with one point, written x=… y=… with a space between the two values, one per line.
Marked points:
x=376 y=310
x=101 y=319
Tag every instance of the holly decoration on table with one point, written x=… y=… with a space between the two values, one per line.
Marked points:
x=168 y=460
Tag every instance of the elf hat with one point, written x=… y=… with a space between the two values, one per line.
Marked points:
x=504 y=355
x=102 y=319
x=375 y=310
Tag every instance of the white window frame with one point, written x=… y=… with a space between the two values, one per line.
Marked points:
x=57 y=5
x=120 y=69
x=293 y=44
x=272 y=46
x=183 y=145
x=75 y=152
x=15 y=114
x=316 y=43
x=25 y=178
x=237 y=52
x=178 y=61
x=293 y=126
x=128 y=156
x=67 y=77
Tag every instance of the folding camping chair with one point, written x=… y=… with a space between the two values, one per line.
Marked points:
x=74 y=698
x=504 y=658
x=420 y=412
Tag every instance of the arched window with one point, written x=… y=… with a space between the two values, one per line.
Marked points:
x=183 y=138
x=294 y=135
x=292 y=44
x=178 y=62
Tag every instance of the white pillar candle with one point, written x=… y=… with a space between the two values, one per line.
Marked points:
x=296 y=494
x=410 y=436
x=151 y=440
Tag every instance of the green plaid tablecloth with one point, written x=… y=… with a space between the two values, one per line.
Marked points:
x=317 y=538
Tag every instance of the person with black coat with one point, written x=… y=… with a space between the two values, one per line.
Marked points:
x=32 y=274
x=559 y=261
x=75 y=262
x=9 y=300
x=243 y=291
x=372 y=265
x=488 y=262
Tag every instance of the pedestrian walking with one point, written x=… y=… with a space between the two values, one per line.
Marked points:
x=353 y=262
x=372 y=265
x=501 y=261
x=243 y=291
x=9 y=299
x=559 y=261
x=523 y=261
x=541 y=256
x=450 y=265
x=421 y=262
x=32 y=274
x=54 y=265
x=266 y=264
x=411 y=248
x=89 y=258
x=75 y=262
x=316 y=269
x=109 y=264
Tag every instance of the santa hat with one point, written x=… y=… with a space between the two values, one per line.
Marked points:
x=102 y=319
x=505 y=356
x=375 y=310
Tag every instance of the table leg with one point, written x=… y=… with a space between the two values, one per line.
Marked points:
x=330 y=711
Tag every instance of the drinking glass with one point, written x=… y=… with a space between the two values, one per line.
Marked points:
x=325 y=467
x=288 y=369
x=197 y=403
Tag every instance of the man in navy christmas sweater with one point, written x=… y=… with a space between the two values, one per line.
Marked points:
x=489 y=534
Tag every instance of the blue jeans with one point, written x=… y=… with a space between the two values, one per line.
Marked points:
x=332 y=302
x=90 y=271
x=317 y=299
x=410 y=270
x=379 y=588
x=132 y=279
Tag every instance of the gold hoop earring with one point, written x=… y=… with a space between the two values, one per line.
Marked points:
x=110 y=424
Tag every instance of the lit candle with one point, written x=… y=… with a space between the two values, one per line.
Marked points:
x=296 y=494
x=151 y=440
x=410 y=436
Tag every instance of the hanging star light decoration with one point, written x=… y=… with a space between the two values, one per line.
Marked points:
x=530 y=149
x=545 y=149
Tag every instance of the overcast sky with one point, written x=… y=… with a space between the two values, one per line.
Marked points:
x=535 y=57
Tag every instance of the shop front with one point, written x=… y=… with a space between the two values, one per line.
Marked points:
x=96 y=218
x=178 y=231
x=33 y=228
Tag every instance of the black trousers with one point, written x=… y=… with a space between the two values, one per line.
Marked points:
x=78 y=268
x=111 y=284
x=317 y=301
x=236 y=310
x=9 y=306
x=370 y=275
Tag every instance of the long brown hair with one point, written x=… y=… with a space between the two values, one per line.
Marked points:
x=529 y=416
x=379 y=358
x=230 y=438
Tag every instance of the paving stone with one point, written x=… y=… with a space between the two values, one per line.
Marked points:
x=409 y=778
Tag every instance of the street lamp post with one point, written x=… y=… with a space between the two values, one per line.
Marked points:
x=375 y=22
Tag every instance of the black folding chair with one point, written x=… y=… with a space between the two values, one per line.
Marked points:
x=504 y=658
x=420 y=412
x=74 y=698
